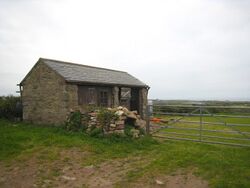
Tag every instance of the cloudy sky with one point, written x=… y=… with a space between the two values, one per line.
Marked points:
x=182 y=49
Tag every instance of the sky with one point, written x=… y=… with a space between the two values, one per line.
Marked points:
x=196 y=49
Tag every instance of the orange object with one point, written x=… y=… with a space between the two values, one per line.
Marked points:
x=156 y=120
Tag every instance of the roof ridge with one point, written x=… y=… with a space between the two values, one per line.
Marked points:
x=70 y=63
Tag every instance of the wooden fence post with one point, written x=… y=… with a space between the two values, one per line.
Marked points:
x=147 y=120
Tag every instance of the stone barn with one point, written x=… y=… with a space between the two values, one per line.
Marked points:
x=54 y=88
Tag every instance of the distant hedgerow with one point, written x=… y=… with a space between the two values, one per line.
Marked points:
x=10 y=107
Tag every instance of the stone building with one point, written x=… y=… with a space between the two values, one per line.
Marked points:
x=54 y=88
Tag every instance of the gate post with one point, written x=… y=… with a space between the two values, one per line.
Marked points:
x=200 y=124
x=147 y=120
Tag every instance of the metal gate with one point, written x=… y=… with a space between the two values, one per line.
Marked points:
x=198 y=124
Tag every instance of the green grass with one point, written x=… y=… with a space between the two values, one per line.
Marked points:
x=20 y=137
x=222 y=166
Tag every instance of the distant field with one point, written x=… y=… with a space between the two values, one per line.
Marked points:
x=218 y=107
x=206 y=103
x=39 y=156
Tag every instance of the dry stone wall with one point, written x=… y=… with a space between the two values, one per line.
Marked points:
x=117 y=125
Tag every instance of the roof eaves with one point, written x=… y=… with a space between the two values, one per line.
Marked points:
x=106 y=84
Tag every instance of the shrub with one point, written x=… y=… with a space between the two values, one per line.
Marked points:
x=105 y=118
x=142 y=131
x=96 y=132
x=10 y=107
x=127 y=130
x=75 y=122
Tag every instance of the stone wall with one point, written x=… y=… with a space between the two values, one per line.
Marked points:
x=45 y=96
x=122 y=117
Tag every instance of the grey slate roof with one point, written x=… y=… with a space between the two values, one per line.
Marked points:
x=87 y=74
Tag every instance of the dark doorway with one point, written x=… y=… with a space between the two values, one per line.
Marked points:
x=135 y=100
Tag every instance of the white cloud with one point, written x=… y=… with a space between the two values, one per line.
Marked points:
x=182 y=49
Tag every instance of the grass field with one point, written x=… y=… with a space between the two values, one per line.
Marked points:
x=47 y=151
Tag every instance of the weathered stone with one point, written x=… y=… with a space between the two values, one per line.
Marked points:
x=120 y=122
x=123 y=117
x=134 y=112
x=120 y=127
x=158 y=182
x=131 y=115
x=119 y=112
x=112 y=125
x=125 y=109
x=120 y=108
x=135 y=133
x=93 y=114
x=92 y=123
x=140 y=123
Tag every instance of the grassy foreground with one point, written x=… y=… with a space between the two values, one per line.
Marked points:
x=221 y=166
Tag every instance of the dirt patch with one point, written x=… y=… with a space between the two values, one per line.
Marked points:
x=38 y=169
x=188 y=180
x=21 y=175
x=179 y=179
x=106 y=174
x=66 y=168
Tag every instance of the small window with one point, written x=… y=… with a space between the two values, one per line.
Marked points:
x=86 y=95
x=103 y=98
x=91 y=96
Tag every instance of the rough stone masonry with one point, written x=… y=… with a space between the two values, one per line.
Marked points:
x=118 y=125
